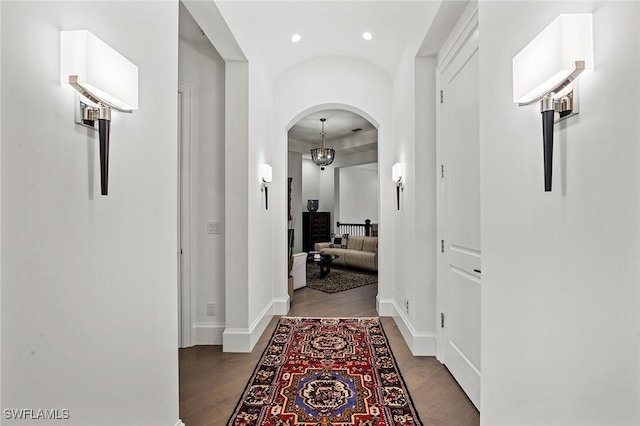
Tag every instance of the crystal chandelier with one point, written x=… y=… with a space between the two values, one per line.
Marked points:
x=323 y=156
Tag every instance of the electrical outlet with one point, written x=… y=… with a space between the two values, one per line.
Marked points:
x=211 y=309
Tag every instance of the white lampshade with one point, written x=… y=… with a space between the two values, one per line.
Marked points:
x=551 y=57
x=266 y=173
x=101 y=70
x=398 y=172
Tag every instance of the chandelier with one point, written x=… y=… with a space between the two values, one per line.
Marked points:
x=323 y=156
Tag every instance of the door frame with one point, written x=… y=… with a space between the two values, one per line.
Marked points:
x=463 y=31
x=186 y=331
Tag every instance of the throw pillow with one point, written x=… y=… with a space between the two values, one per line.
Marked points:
x=339 y=241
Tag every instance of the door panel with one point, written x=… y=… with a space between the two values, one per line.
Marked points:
x=459 y=217
x=463 y=166
x=465 y=315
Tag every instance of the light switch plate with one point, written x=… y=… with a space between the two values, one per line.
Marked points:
x=213 y=227
x=211 y=309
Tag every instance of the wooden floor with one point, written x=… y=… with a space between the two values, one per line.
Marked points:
x=211 y=381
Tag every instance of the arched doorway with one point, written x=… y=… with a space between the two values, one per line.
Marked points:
x=347 y=191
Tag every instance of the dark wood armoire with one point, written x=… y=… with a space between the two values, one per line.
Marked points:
x=316 y=228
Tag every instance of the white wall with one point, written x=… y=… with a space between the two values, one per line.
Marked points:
x=414 y=245
x=236 y=207
x=202 y=68
x=294 y=168
x=89 y=300
x=0 y=202
x=358 y=194
x=560 y=297
x=426 y=172
x=327 y=190
x=310 y=186
x=265 y=294
x=318 y=185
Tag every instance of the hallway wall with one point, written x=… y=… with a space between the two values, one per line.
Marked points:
x=202 y=68
x=560 y=297
x=89 y=300
x=414 y=250
x=294 y=170
x=1 y=199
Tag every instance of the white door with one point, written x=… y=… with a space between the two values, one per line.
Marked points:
x=459 y=215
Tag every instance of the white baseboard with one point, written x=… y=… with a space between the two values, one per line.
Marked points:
x=281 y=306
x=242 y=340
x=180 y=423
x=420 y=344
x=208 y=333
x=384 y=307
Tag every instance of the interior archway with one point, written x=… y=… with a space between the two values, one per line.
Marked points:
x=347 y=189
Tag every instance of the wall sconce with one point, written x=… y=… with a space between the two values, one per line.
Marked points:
x=266 y=176
x=105 y=78
x=398 y=176
x=545 y=71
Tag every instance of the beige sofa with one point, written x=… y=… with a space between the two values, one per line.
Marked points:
x=361 y=252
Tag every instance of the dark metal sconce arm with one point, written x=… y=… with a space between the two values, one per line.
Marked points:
x=265 y=188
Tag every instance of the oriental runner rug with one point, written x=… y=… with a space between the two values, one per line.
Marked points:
x=326 y=372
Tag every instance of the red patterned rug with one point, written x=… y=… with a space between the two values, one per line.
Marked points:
x=326 y=372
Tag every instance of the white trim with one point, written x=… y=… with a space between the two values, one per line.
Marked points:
x=281 y=306
x=384 y=307
x=463 y=30
x=244 y=339
x=186 y=296
x=420 y=344
x=208 y=333
x=180 y=423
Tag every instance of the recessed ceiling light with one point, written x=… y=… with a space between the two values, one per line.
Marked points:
x=367 y=35
x=296 y=38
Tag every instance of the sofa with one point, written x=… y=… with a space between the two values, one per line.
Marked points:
x=358 y=252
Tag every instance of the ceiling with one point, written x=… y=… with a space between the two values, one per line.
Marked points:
x=264 y=29
x=340 y=123
x=341 y=130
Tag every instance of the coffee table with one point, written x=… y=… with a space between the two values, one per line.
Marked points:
x=324 y=260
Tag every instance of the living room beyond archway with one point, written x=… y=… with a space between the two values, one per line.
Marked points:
x=325 y=197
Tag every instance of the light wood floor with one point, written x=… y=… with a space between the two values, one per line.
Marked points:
x=211 y=381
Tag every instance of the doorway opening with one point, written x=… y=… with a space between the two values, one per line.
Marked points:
x=335 y=199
